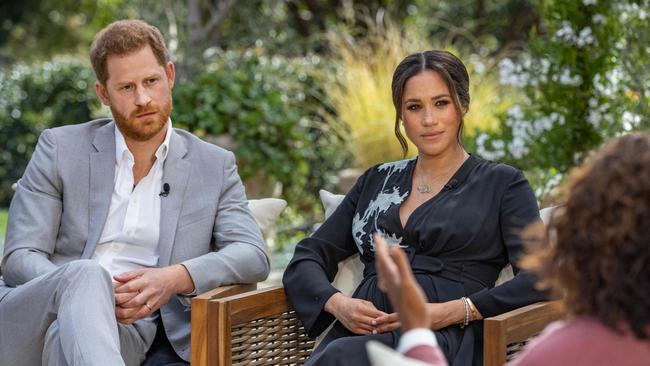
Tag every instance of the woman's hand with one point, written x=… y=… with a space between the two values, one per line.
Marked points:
x=446 y=313
x=388 y=323
x=358 y=316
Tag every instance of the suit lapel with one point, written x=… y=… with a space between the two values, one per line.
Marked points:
x=102 y=182
x=176 y=172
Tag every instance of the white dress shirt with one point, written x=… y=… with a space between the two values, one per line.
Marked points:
x=129 y=240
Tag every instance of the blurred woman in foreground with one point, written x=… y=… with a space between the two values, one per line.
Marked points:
x=596 y=256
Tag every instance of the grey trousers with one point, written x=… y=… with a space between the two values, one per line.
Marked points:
x=67 y=317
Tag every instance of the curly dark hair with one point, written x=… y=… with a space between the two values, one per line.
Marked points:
x=595 y=253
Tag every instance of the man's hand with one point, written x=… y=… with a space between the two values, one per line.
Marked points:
x=140 y=293
x=357 y=315
x=397 y=281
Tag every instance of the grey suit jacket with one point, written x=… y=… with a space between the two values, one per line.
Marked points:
x=61 y=203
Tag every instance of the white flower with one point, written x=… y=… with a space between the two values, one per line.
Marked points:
x=589 y=2
x=566 y=78
x=517 y=148
x=493 y=154
x=512 y=74
x=498 y=144
x=480 y=140
x=598 y=19
x=594 y=118
x=585 y=37
x=566 y=33
x=545 y=64
x=516 y=112
x=630 y=120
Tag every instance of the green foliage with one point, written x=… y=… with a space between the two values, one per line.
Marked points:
x=274 y=110
x=577 y=91
x=38 y=29
x=4 y=215
x=33 y=98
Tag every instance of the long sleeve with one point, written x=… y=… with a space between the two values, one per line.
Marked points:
x=518 y=209
x=307 y=279
x=240 y=256
x=34 y=216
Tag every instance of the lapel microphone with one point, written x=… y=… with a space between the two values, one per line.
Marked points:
x=165 y=191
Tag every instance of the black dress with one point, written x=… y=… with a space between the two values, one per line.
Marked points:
x=457 y=242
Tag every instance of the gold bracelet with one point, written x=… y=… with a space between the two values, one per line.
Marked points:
x=472 y=309
x=466 y=307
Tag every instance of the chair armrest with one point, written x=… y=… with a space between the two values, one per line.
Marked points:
x=516 y=326
x=261 y=328
x=205 y=319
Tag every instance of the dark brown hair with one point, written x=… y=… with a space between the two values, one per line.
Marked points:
x=123 y=37
x=596 y=249
x=449 y=67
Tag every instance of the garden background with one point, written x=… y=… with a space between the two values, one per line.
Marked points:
x=300 y=89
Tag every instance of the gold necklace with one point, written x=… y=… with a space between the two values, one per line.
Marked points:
x=424 y=188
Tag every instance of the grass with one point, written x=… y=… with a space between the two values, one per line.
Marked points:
x=361 y=89
x=3 y=225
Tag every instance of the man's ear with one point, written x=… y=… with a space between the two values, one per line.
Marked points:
x=171 y=74
x=102 y=94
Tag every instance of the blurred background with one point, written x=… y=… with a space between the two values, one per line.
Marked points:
x=300 y=89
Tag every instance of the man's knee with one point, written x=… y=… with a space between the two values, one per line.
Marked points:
x=88 y=270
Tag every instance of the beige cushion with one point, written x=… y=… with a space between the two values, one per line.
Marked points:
x=266 y=211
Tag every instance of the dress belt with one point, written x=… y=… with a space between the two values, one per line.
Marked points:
x=424 y=264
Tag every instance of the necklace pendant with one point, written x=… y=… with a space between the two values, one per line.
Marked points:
x=424 y=188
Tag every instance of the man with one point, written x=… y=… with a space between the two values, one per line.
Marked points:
x=418 y=341
x=116 y=223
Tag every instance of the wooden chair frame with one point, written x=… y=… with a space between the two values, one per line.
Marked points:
x=260 y=328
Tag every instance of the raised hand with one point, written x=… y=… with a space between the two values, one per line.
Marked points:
x=397 y=281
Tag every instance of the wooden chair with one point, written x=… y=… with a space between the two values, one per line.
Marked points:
x=261 y=328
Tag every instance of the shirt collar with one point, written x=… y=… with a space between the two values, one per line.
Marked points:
x=122 y=151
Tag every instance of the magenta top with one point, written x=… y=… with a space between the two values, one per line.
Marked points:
x=584 y=341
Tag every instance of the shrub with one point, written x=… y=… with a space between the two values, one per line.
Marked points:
x=578 y=83
x=33 y=98
x=274 y=110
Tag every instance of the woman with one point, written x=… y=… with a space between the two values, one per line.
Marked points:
x=456 y=216
x=607 y=291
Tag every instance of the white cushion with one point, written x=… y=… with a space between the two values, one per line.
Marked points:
x=350 y=271
x=266 y=211
x=330 y=201
x=382 y=355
